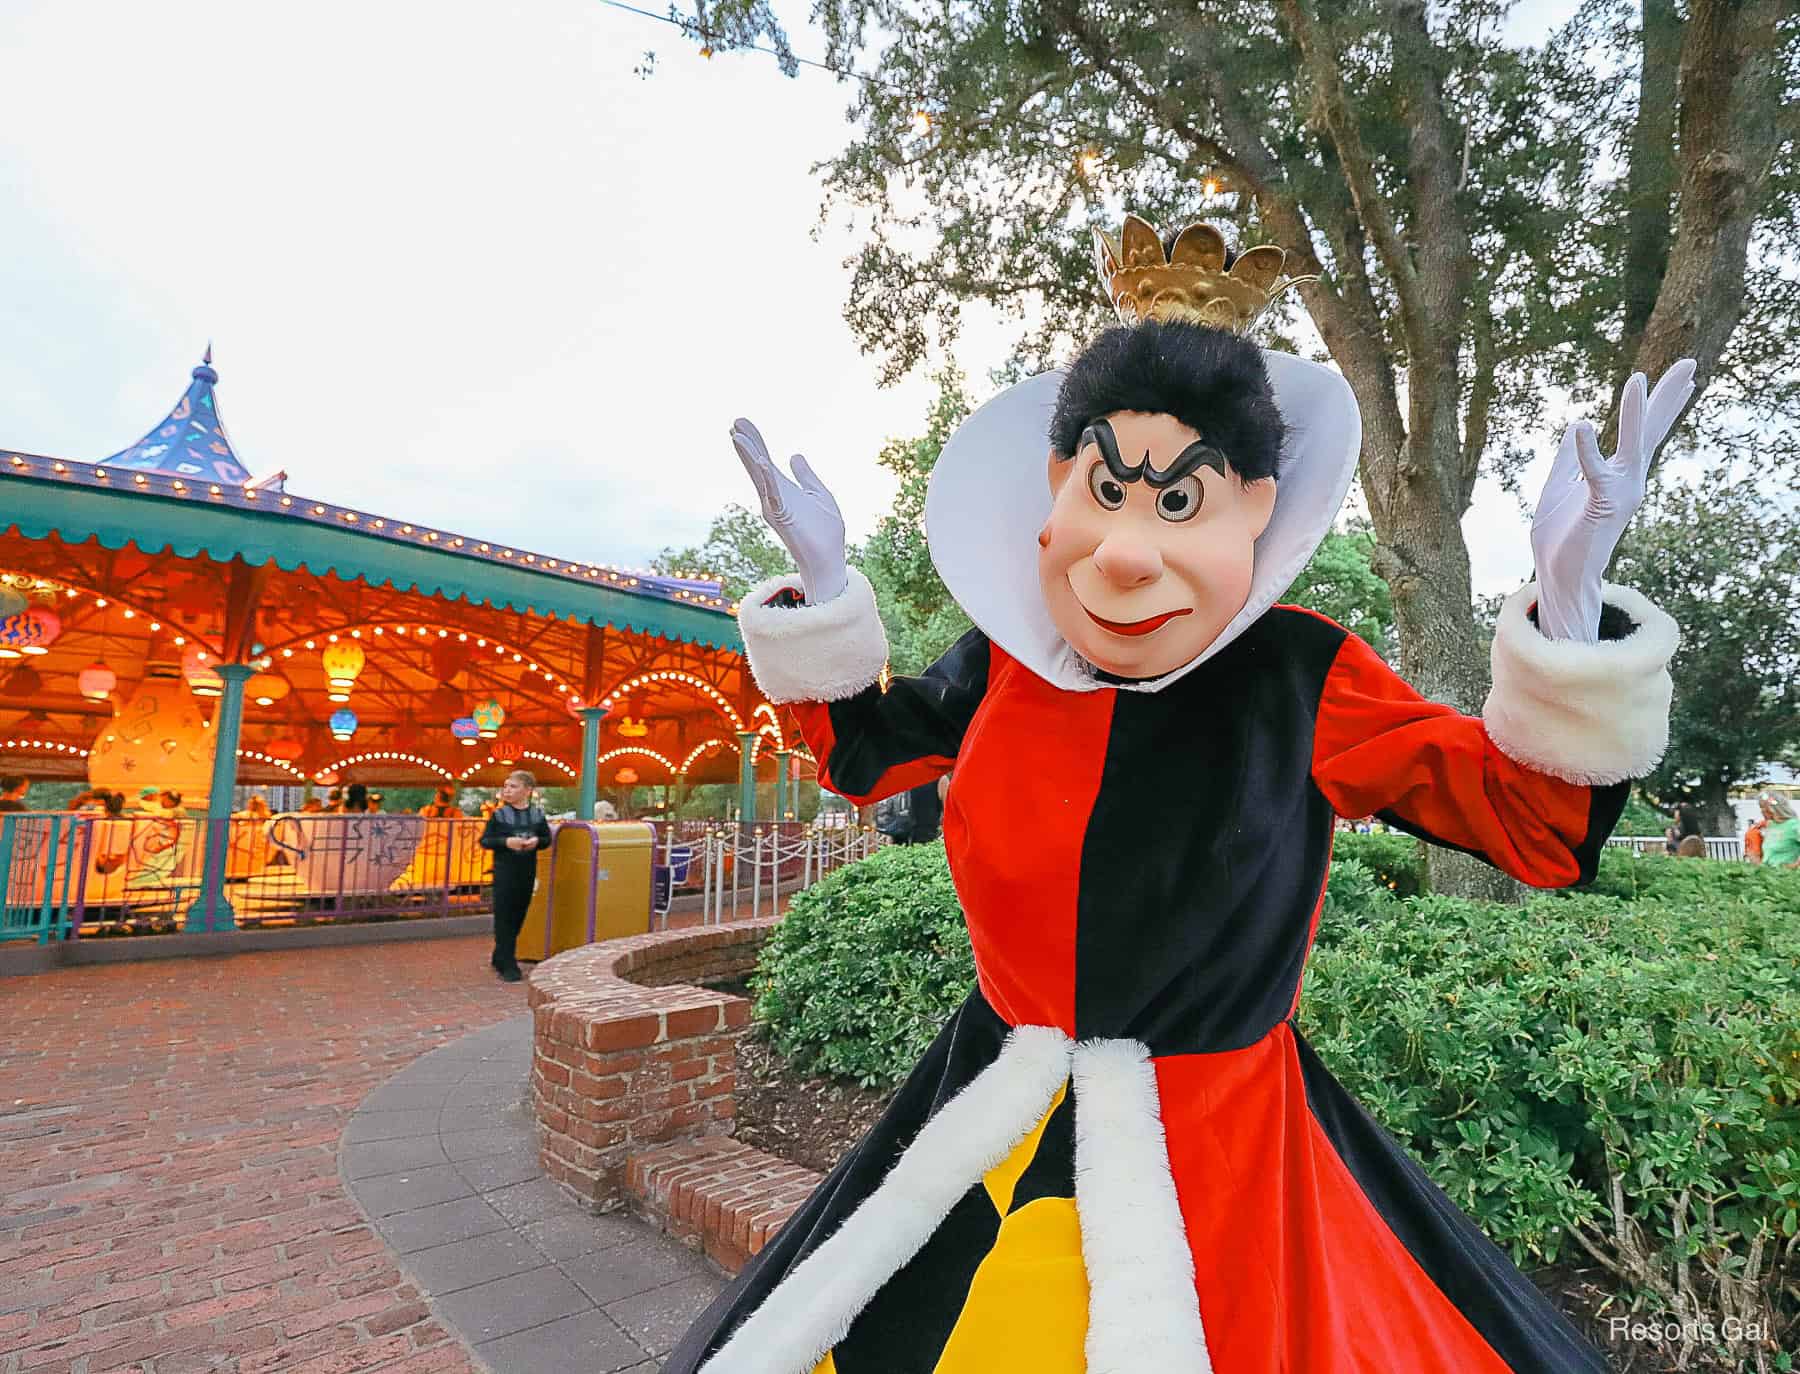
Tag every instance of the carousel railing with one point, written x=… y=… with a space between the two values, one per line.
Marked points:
x=43 y=858
x=64 y=874
x=753 y=864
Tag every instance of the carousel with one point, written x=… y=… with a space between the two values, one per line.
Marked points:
x=174 y=628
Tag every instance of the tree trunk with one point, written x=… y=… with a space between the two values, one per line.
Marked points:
x=1716 y=815
x=1425 y=563
x=1422 y=556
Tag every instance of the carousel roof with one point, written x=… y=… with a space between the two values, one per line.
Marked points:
x=142 y=562
x=191 y=440
x=151 y=495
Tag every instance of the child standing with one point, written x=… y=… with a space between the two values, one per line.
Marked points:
x=515 y=832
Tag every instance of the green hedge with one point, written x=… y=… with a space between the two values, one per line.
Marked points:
x=1395 y=861
x=867 y=967
x=1612 y=1073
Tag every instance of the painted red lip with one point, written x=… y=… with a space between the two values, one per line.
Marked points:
x=1137 y=627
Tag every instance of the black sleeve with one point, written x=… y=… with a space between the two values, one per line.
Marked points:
x=492 y=836
x=877 y=743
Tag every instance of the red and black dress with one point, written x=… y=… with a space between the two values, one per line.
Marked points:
x=1142 y=874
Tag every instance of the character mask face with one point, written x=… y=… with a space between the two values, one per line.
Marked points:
x=1150 y=545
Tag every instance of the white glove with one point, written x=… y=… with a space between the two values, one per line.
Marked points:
x=1589 y=500
x=805 y=517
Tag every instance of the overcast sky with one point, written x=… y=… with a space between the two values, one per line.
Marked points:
x=458 y=263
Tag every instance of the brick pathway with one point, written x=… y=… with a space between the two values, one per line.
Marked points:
x=169 y=1187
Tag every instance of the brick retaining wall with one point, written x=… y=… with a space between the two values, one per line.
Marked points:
x=629 y=1055
x=719 y=1194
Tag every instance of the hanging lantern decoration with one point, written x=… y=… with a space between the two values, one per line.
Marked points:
x=156 y=738
x=260 y=658
x=97 y=681
x=265 y=689
x=12 y=601
x=30 y=631
x=489 y=716
x=632 y=727
x=343 y=723
x=287 y=749
x=466 y=730
x=625 y=777
x=505 y=750
x=343 y=661
x=202 y=678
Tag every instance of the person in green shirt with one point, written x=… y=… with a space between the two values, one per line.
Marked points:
x=1781 y=836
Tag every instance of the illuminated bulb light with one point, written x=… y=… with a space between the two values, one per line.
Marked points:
x=287 y=500
x=249 y=493
x=59 y=467
x=140 y=479
x=179 y=485
x=216 y=491
x=318 y=510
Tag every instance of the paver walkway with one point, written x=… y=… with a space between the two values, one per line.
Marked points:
x=170 y=1194
x=444 y=1159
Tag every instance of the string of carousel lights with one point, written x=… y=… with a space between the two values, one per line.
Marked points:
x=531 y=666
x=695 y=753
x=284 y=765
x=323 y=513
x=672 y=675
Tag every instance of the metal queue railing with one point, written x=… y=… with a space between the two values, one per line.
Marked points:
x=732 y=865
x=1717 y=846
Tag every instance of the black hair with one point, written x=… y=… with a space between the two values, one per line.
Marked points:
x=356 y=797
x=1212 y=381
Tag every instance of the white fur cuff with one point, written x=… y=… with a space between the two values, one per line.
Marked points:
x=1587 y=713
x=813 y=653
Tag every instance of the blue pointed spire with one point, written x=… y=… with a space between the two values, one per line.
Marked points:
x=191 y=440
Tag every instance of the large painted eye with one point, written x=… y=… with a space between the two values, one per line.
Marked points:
x=1182 y=500
x=1108 y=490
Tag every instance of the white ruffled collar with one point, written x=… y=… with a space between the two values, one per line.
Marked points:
x=988 y=499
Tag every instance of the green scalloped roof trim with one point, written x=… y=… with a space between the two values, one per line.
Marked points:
x=190 y=530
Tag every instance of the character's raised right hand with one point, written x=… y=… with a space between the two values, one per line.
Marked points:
x=801 y=511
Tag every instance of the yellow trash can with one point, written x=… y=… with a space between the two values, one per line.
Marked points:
x=593 y=884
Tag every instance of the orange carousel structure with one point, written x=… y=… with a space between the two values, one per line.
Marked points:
x=169 y=622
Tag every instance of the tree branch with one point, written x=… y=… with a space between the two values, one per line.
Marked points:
x=1730 y=80
x=1336 y=113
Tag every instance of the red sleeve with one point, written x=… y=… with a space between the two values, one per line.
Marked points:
x=1380 y=749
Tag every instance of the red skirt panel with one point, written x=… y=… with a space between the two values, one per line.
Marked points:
x=1300 y=1269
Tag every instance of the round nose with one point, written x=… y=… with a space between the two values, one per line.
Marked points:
x=1128 y=563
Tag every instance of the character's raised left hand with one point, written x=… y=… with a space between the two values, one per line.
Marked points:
x=1588 y=501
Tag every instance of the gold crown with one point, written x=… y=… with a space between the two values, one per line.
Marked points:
x=1191 y=284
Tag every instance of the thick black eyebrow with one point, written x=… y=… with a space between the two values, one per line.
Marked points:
x=1197 y=454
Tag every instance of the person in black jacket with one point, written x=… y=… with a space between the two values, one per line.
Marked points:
x=515 y=833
